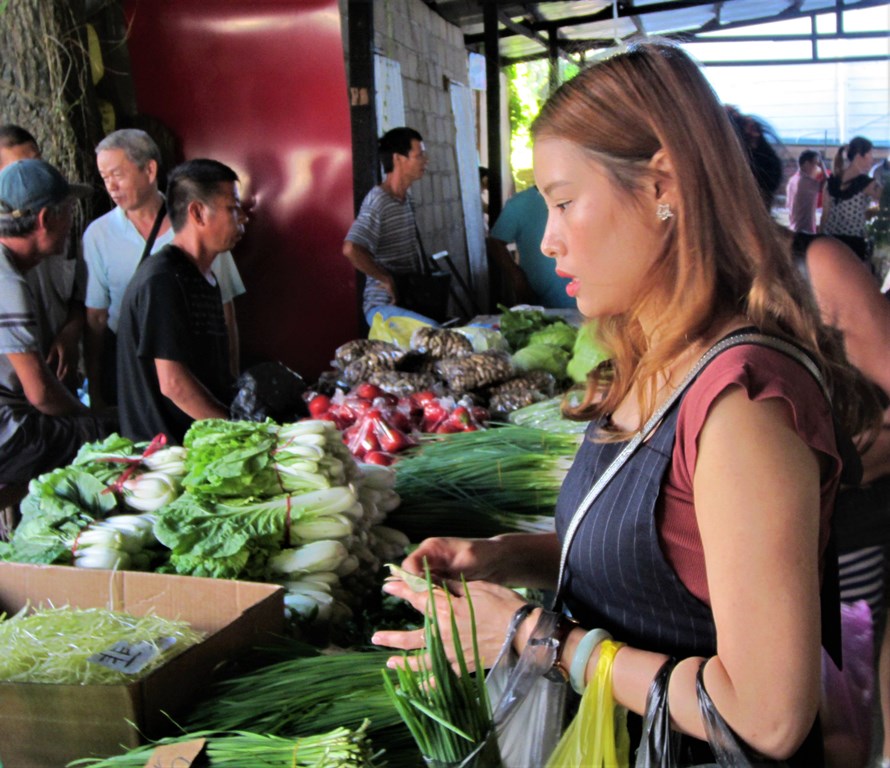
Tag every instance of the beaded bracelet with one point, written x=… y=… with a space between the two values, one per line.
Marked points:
x=582 y=656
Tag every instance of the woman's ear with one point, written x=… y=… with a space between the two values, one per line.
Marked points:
x=662 y=169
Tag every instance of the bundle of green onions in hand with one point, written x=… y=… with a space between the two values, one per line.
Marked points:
x=448 y=713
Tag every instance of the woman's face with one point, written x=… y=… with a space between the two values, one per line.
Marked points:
x=864 y=162
x=600 y=238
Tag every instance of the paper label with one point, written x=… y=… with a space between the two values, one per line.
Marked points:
x=131 y=658
x=180 y=755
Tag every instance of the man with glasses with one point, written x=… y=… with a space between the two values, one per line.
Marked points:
x=173 y=350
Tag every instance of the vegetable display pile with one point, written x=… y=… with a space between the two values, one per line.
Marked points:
x=506 y=478
x=98 y=511
x=468 y=364
x=241 y=499
x=307 y=691
x=55 y=645
x=377 y=426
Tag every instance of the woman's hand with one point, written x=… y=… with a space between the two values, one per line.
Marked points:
x=515 y=559
x=493 y=607
x=451 y=558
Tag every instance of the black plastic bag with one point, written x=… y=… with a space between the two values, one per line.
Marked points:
x=729 y=750
x=269 y=390
x=660 y=746
x=659 y=743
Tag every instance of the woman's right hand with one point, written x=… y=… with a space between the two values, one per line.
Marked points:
x=512 y=559
x=450 y=557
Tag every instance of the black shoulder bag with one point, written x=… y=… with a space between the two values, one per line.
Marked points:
x=425 y=291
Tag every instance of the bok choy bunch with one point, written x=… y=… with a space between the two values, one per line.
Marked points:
x=284 y=503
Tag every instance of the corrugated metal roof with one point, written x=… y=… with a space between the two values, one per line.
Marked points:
x=527 y=30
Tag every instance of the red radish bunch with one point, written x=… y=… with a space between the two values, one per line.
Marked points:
x=377 y=425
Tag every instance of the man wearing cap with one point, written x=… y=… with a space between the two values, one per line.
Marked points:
x=58 y=282
x=42 y=425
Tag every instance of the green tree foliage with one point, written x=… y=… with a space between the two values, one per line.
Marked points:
x=529 y=85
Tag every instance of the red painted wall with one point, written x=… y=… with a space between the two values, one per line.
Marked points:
x=260 y=85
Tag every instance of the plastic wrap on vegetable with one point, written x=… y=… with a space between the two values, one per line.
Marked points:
x=402 y=383
x=519 y=392
x=381 y=360
x=353 y=350
x=440 y=343
x=503 y=404
x=484 y=339
x=541 y=381
x=542 y=357
x=474 y=371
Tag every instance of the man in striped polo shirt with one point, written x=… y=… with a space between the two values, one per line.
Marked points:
x=42 y=425
x=383 y=239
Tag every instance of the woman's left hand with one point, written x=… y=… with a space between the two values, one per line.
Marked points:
x=493 y=607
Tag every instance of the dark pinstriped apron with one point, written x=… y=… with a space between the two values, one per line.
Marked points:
x=617 y=577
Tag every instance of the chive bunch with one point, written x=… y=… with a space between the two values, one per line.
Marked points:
x=482 y=483
x=448 y=713
x=339 y=748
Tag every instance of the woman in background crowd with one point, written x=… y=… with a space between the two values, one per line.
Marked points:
x=849 y=193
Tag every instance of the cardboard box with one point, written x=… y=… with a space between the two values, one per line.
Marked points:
x=46 y=726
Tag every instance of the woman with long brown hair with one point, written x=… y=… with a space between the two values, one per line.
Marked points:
x=707 y=547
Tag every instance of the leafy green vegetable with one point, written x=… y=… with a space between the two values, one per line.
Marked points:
x=59 y=505
x=560 y=334
x=542 y=357
x=586 y=354
x=209 y=538
x=517 y=325
x=252 y=459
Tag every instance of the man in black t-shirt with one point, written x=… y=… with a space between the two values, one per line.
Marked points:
x=173 y=359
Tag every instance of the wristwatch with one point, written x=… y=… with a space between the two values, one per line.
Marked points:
x=559 y=672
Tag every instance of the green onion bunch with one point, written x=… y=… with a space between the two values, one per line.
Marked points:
x=301 y=695
x=448 y=713
x=53 y=645
x=339 y=748
x=482 y=483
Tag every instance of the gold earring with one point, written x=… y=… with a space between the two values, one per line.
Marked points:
x=663 y=212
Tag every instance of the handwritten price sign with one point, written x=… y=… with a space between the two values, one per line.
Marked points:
x=181 y=755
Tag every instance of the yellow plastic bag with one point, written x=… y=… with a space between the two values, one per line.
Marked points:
x=597 y=737
x=396 y=330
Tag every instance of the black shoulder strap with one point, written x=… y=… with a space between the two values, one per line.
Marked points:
x=153 y=235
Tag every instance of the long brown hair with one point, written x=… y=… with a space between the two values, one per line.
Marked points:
x=721 y=254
